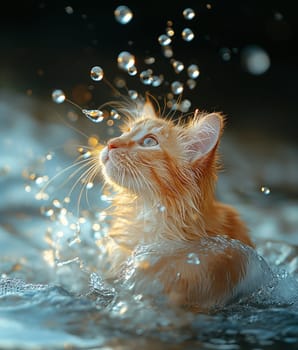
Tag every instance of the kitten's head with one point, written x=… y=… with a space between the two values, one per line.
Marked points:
x=155 y=157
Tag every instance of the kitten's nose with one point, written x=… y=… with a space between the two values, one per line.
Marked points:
x=113 y=144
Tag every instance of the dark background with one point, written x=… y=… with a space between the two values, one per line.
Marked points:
x=43 y=48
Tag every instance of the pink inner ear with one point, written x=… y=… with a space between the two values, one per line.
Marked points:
x=204 y=136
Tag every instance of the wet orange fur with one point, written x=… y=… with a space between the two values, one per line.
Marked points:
x=164 y=195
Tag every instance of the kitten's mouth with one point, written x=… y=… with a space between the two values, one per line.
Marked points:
x=104 y=155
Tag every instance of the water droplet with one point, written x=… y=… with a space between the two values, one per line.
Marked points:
x=132 y=70
x=192 y=258
x=96 y=73
x=66 y=200
x=125 y=60
x=193 y=71
x=178 y=66
x=164 y=40
x=123 y=14
x=89 y=185
x=56 y=203
x=149 y=60
x=167 y=51
x=41 y=196
x=188 y=13
x=84 y=152
x=225 y=53
x=47 y=211
x=69 y=10
x=187 y=34
x=170 y=32
x=265 y=190
x=119 y=82
x=146 y=76
x=185 y=105
x=191 y=84
x=114 y=114
x=28 y=188
x=157 y=80
x=255 y=60
x=95 y=115
x=162 y=208
x=133 y=94
x=278 y=16
x=49 y=155
x=58 y=96
x=40 y=180
x=177 y=87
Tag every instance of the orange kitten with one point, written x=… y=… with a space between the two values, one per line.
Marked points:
x=164 y=176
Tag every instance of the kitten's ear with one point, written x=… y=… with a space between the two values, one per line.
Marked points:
x=148 y=110
x=203 y=136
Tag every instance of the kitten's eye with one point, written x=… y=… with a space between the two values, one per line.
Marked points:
x=149 y=141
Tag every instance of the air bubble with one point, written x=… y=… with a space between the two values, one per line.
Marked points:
x=164 y=40
x=125 y=60
x=58 y=96
x=192 y=258
x=178 y=66
x=265 y=190
x=188 y=13
x=96 y=73
x=146 y=77
x=193 y=71
x=123 y=14
x=133 y=94
x=95 y=115
x=187 y=34
x=177 y=87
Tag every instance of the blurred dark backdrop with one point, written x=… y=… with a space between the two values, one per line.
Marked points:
x=44 y=47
